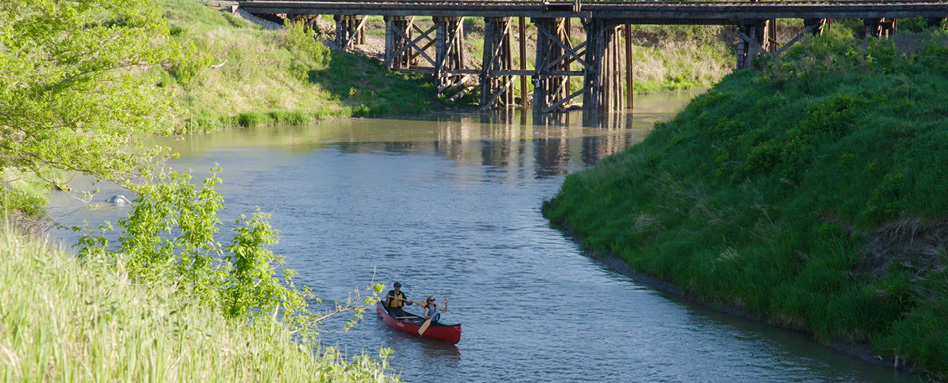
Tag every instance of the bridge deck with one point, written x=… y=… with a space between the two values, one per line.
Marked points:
x=638 y=12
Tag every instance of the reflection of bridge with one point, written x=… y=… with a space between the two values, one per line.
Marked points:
x=600 y=60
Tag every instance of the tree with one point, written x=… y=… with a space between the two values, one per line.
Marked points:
x=77 y=85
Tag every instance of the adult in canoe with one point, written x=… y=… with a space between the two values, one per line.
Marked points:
x=413 y=324
x=395 y=300
x=431 y=309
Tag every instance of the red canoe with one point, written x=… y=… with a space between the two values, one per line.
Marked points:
x=410 y=323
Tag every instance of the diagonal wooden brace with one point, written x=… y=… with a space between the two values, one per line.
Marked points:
x=567 y=49
x=414 y=44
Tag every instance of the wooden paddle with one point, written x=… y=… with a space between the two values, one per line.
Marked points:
x=421 y=331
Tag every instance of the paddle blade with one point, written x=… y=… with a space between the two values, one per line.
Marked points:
x=421 y=331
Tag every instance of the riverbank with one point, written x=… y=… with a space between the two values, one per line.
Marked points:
x=64 y=320
x=234 y=73
x=807 y=193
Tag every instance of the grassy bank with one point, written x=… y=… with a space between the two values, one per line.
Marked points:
x=233 y=72
x=65 y=321
x=809 y=192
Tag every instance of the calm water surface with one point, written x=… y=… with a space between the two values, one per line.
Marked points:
x=450 y=206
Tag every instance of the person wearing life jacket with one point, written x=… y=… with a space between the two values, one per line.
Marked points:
x=431 y=309
x=395 y=300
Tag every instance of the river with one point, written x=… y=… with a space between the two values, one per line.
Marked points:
x=449 y=205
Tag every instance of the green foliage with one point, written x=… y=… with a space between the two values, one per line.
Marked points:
x=252 y=284
x=300 y=40
x=233 y=73
x=75 y=87
x=70 y=321
x=169 y=238
x=188 y=64
x=764 y=193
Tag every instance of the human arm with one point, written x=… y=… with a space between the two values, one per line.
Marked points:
x=444 y=307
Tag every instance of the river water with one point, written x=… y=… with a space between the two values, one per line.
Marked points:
x=449 y=205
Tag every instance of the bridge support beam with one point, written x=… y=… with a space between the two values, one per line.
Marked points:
x=397 y=41
x=522 y=42
x=815 y=26
x=554 y=55
x=497 y=89
x=755 y=37
x=880 y=28
x=309 y=21
x=449 y=52
x=601 y=82
x=629 y=77
x=350 y=30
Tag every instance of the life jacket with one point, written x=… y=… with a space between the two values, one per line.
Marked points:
x=433 y=310
x=397 y=300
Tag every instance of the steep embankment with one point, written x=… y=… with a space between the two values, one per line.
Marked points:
x=811 y=193
x=235 y=72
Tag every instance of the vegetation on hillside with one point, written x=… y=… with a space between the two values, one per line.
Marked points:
x=74 y=92
x=167 y=301
x=810 y=191
x=62 y=320
x=233 y=72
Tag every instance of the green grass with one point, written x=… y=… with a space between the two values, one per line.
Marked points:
x=787 y=191
x=232 y=72
x=66 y=321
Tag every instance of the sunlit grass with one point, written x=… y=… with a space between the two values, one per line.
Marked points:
x=244 y=70
x=66 y=321
x=770 y=192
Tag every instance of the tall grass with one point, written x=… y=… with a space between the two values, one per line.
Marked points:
x=66 y=321
x=772 y=192
x=232 y=72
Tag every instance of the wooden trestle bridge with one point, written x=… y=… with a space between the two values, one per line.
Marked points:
x=601 y=60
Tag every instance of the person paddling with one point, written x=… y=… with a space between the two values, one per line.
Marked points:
x=431 y=309
x=395 y=301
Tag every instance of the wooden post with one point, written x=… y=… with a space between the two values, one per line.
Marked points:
x=349 y=31
x=880 y=28
x=523 y=61
x=449 y=51
x=397 y=55
x=339 y=37
x=889 y=26
x=565 y=34
x=629 y=79
x=751 y=41
x=496 y=89
x=769 y=34
x=541 y=80
x=816 y=26
x=598 y=37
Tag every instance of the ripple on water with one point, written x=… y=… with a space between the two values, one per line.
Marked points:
x=460 y=218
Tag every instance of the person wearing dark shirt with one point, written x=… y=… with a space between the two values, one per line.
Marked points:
x=395 y=300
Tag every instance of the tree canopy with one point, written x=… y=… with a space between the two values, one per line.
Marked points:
x=77 y=84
